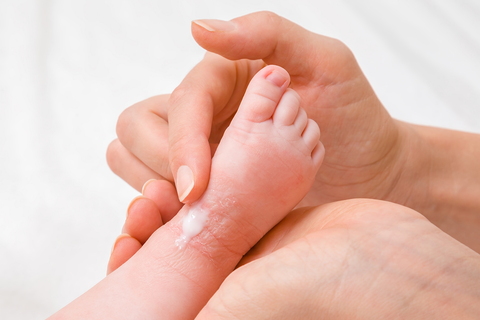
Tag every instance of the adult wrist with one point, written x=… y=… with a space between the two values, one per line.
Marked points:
x=439 y=176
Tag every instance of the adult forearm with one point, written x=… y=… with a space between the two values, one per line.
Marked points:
x=443 y=171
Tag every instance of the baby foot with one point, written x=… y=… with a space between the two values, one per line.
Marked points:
x=265 y=164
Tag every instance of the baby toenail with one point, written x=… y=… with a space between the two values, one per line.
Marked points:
x=276 y=78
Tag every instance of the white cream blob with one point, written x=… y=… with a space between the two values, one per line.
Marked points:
x=192 y=225
x=196 y=218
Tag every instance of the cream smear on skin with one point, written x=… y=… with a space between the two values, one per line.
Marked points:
x=192 y=225
x=196 y=219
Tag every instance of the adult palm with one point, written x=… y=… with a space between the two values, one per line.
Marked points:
x=356 y=259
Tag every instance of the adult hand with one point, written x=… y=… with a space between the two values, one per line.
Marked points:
x=361 y=259
x=173 y=137
x=368 y=154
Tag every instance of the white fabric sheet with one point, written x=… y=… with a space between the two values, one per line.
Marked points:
x=68 y=68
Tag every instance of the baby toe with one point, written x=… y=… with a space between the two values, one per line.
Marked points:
x=287 y=109
x=318 y=154
x=311 y=134
x=263 y=94
x=301 y=120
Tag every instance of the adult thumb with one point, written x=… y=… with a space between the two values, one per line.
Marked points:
x=276 y=40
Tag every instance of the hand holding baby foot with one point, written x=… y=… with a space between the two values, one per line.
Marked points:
x=264 y=165
x=355 y=259
x=397 y=151
x=369 y=154
x=357 y=253
x=191 y=121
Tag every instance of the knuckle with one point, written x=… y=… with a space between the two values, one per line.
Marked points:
x=113 y=155
x=271 y=17
x=342 y=51
x=163 y=166
x=181 y=148
x=124 y=123
x=178 y=95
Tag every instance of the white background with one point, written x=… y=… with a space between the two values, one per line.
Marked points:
x=68 y=69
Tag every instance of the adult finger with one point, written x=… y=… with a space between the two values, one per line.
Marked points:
x=128 y=167
x=145 y=214
x=143 y=218
x=123 y=249
x=280 y=42
x=164 y=195
x=141 y=151
x=208 y=96
x=143 y=131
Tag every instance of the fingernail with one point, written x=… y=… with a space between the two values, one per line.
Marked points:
x=120 y=237
x=132 y=202
x=276 y=78
x=145 y=185
x=185 y=182
x=214 y=25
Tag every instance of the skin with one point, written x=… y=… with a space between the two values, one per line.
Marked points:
x=353 y=259
x=245 y=198
x=433 y=171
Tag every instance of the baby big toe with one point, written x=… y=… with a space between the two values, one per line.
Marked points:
x=263 y=94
